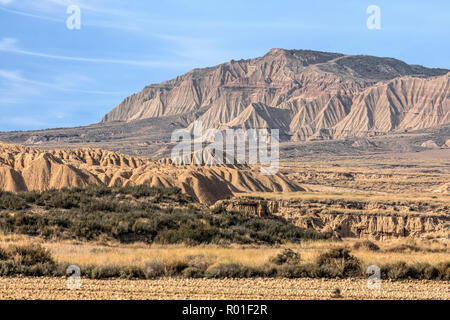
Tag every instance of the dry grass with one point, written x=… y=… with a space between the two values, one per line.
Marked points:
x=139 y=254
x=434 y=198
x=396 y=174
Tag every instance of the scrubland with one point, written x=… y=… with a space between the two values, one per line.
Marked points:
x=141 y=242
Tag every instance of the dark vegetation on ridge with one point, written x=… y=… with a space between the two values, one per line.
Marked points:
x=137 y=213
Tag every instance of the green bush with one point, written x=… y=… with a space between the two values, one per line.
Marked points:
x=398 y=271
x=288 y=256
x=225 y=270
x=444 y=270
x=154 y=269
x=175 y=268
x=101 y=272
x=30 y=260
x=8 y=268
x=30 y=255
x=131 y=272
x=338 y=263
x=3 y=254
x=367 y=245
x=11 y=201
x=95 y=212
x=291 y=271
x=193 y=272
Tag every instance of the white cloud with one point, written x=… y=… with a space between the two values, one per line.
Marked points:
x=101 y=14
x=10 y=45
x=61 y=82
x=5 y=2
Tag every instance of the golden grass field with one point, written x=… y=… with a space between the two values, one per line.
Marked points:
x=139 y=254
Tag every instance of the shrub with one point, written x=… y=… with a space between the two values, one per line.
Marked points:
x=7 y=268
x=395 y=271
x=102 y=272
x=175 y=268
x=338 y=263
x=444 y=270
x=288 y=256
x=198 y=262
x=11 y=201
x=30 y=255
x=154 y=269
x=3 y=254
x=291 y=271
x=30 y=260
x=39 y=270
x=193 y=272
x=426 y=271
x=82 y=213
x=366 y=245
x=225 y=270
x=131 y=272
x=409 y=246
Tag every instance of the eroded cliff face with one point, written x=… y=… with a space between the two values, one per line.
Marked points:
x=305 y=94
x=371 y=225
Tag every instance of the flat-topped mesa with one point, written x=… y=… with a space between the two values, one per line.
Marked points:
x=305 y=94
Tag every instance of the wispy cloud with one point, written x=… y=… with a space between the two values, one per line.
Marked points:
x=31 y=15
x=10 y=45
x=98 y=13
x=63 y=83
x=24 y=122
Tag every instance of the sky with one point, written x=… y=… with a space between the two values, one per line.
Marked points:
x=53 y=75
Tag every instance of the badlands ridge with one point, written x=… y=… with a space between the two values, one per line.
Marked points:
x=27 y=168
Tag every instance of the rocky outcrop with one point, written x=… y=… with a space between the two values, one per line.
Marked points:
x=305 y=94
x=260 y=208
x=376 y=226
x=352 y=224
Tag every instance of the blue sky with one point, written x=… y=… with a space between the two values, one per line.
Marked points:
x=51 y=76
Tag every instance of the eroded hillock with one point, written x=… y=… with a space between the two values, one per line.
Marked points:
x=27 y=169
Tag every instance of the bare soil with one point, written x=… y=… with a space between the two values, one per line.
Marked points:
x=238 y=289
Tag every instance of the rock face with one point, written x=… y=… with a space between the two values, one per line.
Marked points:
x=353 y=225
x=304 y=94
x=376 y=226
x=26 y=168
x=260 y=208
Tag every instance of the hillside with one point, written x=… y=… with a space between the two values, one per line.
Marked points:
x=27 y=168
x=305 y=94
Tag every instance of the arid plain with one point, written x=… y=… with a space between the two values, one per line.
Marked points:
x=385 y=210
x=363 y=181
